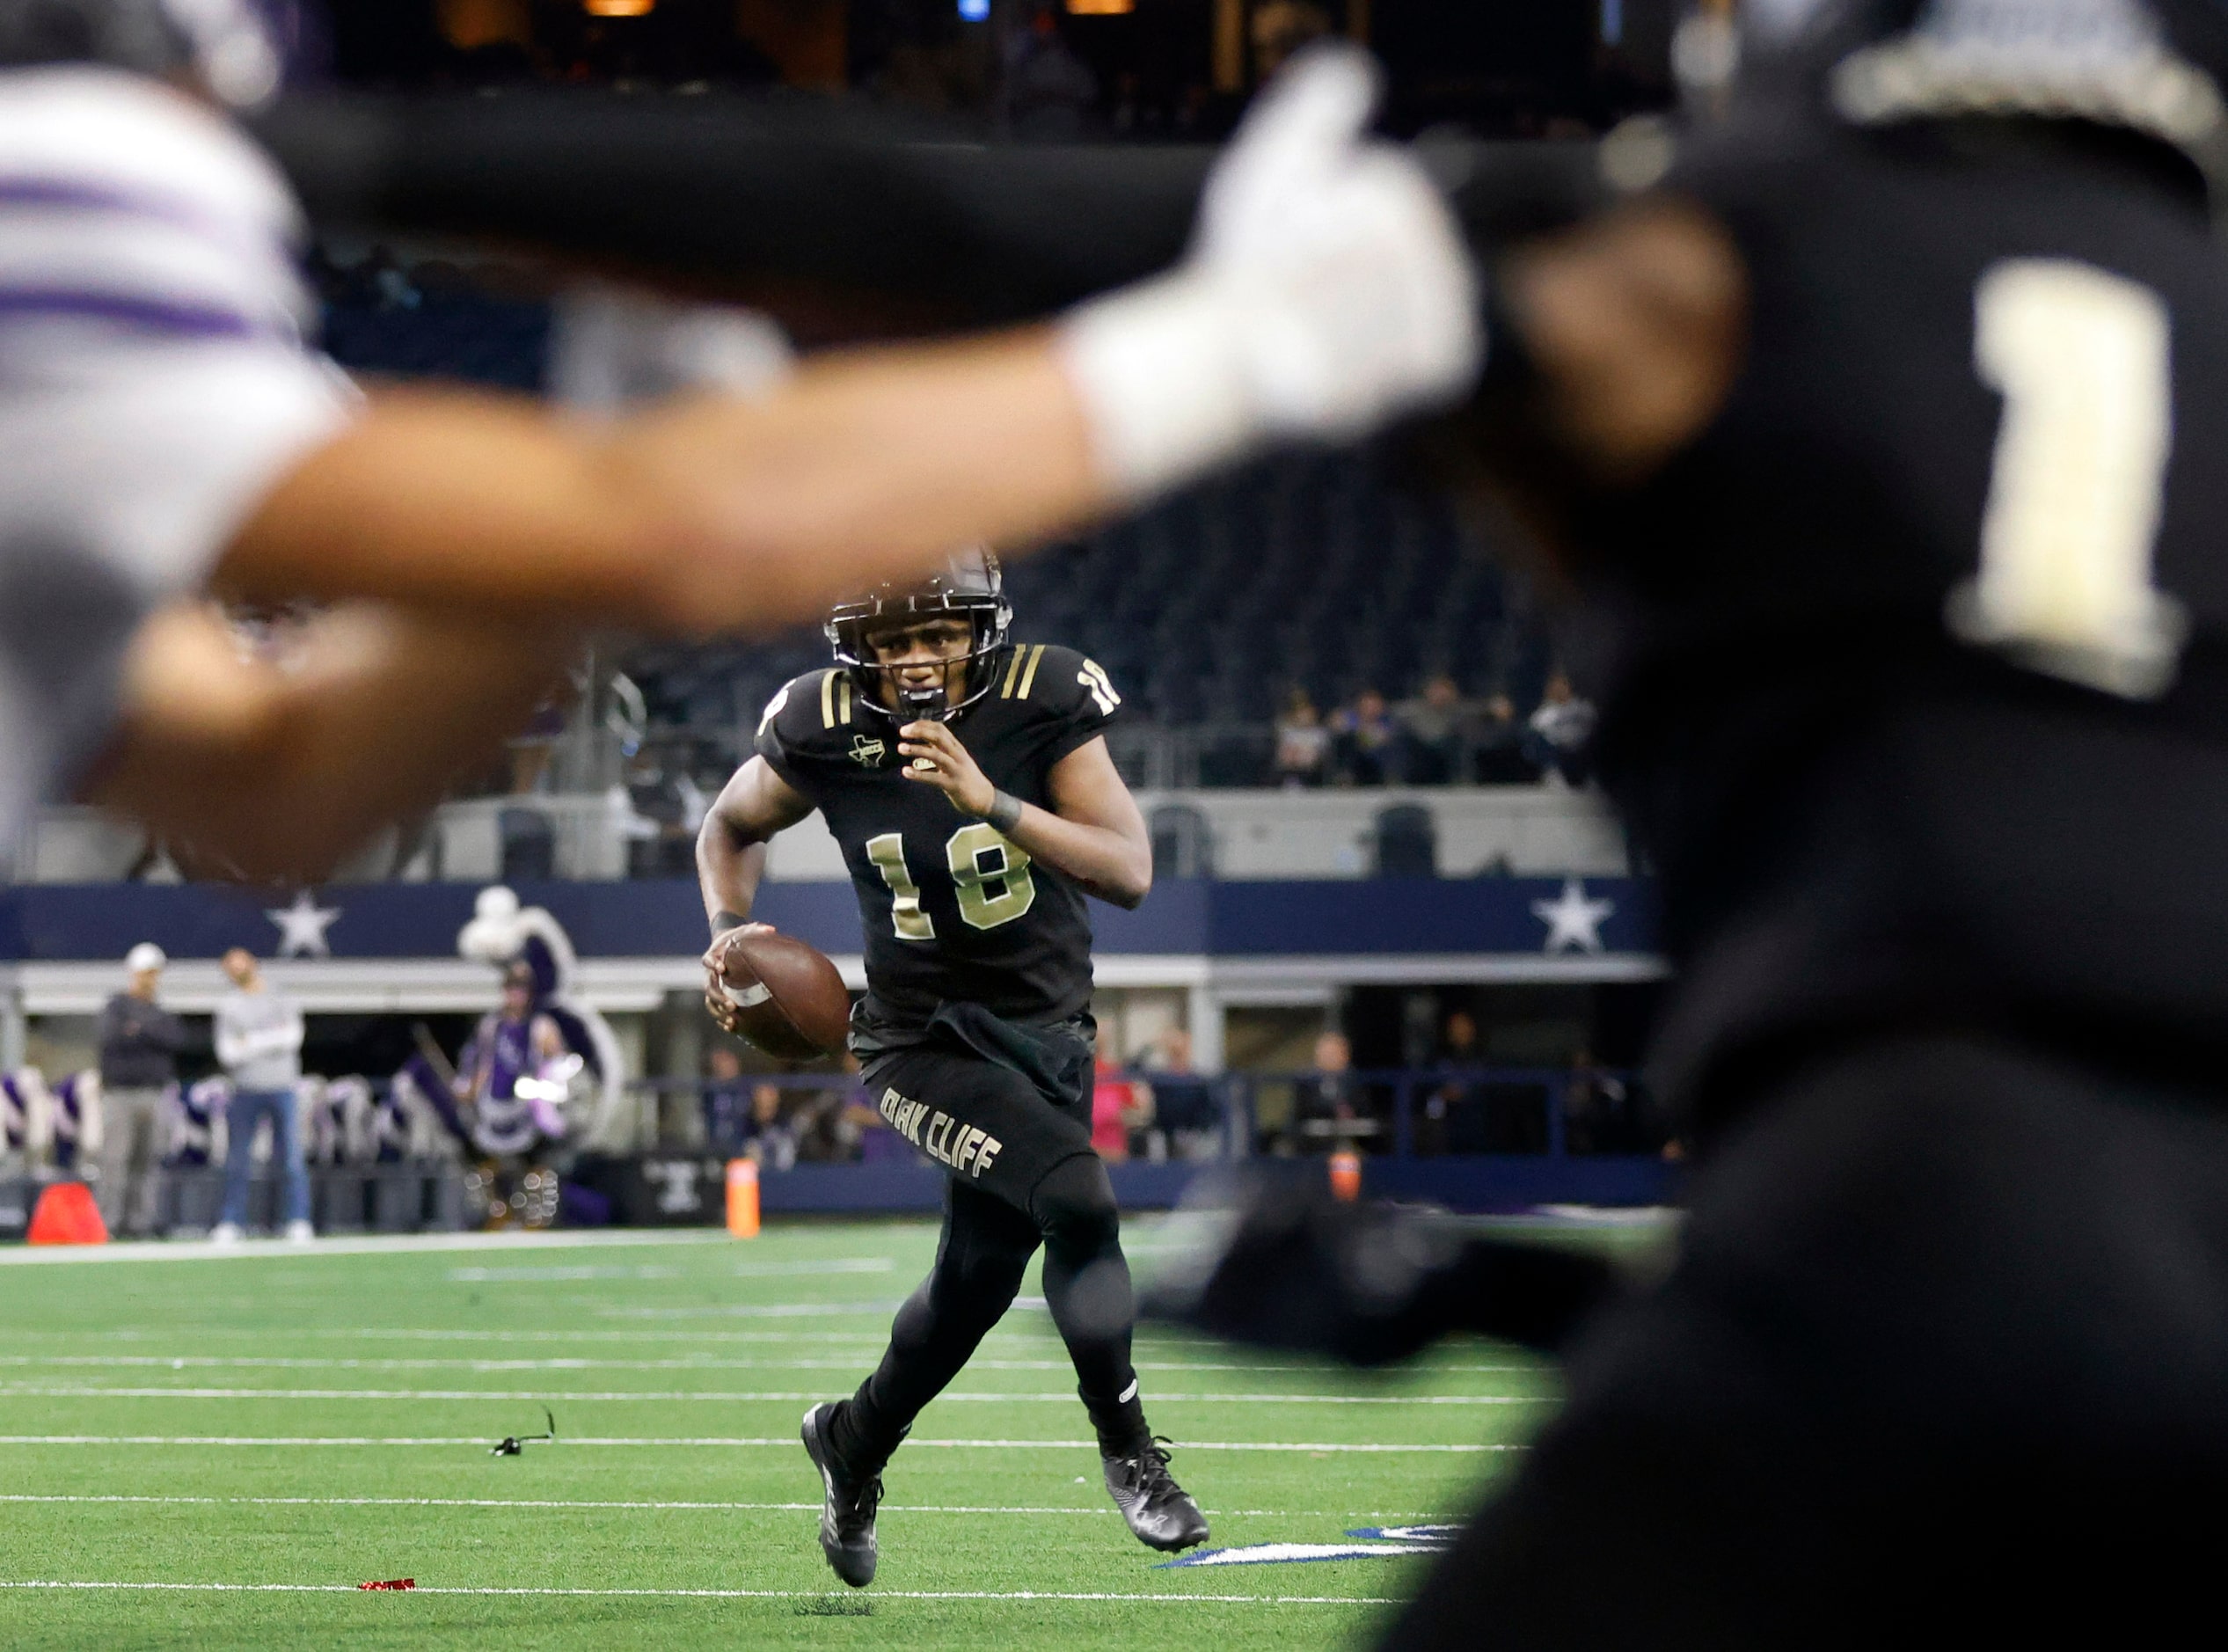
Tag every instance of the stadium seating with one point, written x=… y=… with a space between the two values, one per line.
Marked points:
x=1183 y=844
x=1407 y=842
x=529 y=844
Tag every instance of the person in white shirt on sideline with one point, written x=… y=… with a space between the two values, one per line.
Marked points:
x=139 y=1042
x=259 y=1043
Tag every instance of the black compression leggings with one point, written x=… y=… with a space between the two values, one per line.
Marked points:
x=984 y=1251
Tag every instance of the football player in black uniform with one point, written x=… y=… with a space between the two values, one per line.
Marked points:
x=1876 y=446
x=968 y=779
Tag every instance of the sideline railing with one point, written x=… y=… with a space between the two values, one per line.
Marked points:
x=1533 y=1112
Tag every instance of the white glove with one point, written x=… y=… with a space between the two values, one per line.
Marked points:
x=1327 y=292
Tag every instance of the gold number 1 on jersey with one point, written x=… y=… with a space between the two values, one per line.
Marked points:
x=2082 y=359
x=888 y=852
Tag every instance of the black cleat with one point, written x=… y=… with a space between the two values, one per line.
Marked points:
x=847 y=1506
x=1157 y=1508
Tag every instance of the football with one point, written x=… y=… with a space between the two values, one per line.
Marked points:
x=791 y=1000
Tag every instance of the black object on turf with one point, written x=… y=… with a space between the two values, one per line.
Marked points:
x=847 y=1506
x=515 y=1444
x=1158 y=1511
x=953 y=913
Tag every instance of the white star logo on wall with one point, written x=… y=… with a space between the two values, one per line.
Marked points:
x=1574 y=922
x=301 y=927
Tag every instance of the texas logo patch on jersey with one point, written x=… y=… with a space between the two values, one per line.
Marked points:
x=866 y=751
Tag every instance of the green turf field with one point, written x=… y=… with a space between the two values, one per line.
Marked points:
x=213 y=1451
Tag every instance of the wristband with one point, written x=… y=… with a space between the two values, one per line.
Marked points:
x=724 y=922
x=1005 y=812
x=1163 y=383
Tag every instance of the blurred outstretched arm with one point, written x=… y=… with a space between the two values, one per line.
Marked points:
x=275 y=773
x=1328 y=292
x=704 y=515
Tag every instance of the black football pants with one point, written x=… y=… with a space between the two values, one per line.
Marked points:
x=1943 y=1356
x=1020 y=1172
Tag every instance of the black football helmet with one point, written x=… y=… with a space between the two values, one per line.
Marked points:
x=970 y=584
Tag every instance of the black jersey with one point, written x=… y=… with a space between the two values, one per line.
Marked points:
x=1912 y=664
x=954 y=912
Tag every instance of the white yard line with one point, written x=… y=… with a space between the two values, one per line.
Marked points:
x=417 y=1334
x=742 y=1270
x=372 y=1332
x=760 y=1508
x=200 y=1362
x=94 y=1390
x=785 y=1442
x=763 y=1310
x=743 y=1594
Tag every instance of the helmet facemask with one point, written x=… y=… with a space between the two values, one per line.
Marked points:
x=970 y=589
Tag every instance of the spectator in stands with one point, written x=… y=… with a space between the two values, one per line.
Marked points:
x=1364 y=741
x=1184 y=1109
x=1046 y=91
x=1435 y=733
x=1327 y=1112
x=663 y=808
x=1117 y=1106
x=1450 y=1123
x=139 y=1042
x=1560 y=729
x=836 y=1124
x=1500 y=739
x=770 y=1134
x=727 y=1100
x=1303 y=745
x=259 y=1043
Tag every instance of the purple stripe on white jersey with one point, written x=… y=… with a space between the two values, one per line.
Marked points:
x=152 y=315
x=74 y=195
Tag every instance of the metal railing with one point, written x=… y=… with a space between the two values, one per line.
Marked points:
x=1405 y=1112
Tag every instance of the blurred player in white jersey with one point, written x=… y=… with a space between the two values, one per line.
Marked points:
x=163 y=432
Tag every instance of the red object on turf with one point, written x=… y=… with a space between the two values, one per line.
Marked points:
x=67 y=1215
x=792 y=1000
x=392 y=1582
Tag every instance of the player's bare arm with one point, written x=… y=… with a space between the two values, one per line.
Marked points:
x=275 y=772
x=731 y=858
x=1094 y=831
x=704 y=514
